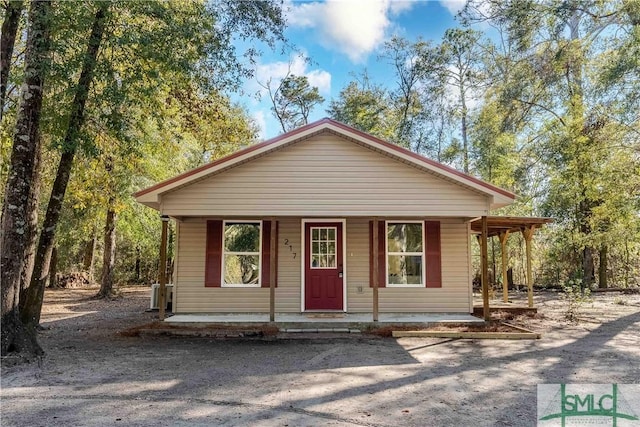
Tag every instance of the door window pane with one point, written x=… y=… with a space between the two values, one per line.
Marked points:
x=323 y=247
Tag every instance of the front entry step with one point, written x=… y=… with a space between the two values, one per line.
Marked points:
x=320 y=330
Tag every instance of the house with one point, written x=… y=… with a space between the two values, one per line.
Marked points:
x=323 y=218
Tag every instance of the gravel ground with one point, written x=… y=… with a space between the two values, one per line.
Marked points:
x=91 y=376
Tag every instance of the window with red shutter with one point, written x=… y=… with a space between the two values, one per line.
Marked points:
x=238 y=253
x=409 y=254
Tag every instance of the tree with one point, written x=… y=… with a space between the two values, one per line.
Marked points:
x=162 y=42
x=292 y=100
x=412 y=63
x=35 y=293
x=459 y=69
x=577 y=108
x=18 y=193
x=365 y=106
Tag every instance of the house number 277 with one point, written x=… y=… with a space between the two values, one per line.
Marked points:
x=286 y=243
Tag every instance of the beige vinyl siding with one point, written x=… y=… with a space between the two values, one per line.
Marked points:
x=193 y=297
x=452 y=297
x=324 y=176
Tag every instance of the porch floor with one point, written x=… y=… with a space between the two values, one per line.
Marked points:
x=317 y=319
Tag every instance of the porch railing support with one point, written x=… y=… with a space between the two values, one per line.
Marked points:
x=162 y=292
x=272 y=272
x=375 y=267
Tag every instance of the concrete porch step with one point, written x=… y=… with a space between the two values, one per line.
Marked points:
x=320 y=330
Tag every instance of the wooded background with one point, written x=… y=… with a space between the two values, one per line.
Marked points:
x=101 y=99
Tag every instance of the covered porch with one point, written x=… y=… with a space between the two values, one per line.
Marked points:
x=502 y=227
x=322 y=322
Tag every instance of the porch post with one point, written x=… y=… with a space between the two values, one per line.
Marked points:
x=162 y=304
x=527 y=232
x=375 y=268
x=503 y=248
x=272 y=272
x=484 y=269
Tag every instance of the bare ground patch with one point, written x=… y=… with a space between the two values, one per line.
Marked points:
x=93 y=375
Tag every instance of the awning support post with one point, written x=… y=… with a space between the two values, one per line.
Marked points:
x=527 y=232
x=503 y=248
x=375 y=267
x=484 y=269
x=162 y=292
x=272 y=272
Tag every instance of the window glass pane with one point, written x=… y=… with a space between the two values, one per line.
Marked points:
x=323 y=247
x=315 y=261
x=242 y=237
x=241 y=269
x=331 y=261
x=314 y=234
x=404 y=237
x=405 y=269
x=323 y=261
x=332 y=234
x=331 y=250
x=316 y=248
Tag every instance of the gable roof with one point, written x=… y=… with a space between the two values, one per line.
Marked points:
x=500 y=197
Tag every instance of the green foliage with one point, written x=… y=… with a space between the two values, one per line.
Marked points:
x=575 y=297
x=156 y=108
x=293 y=100
x=365 y=106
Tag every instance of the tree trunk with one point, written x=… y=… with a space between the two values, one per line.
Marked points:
x=87 y=260
x=588 y=268
x=16 y=338
x=53 y=269
x=35 y=293
x=31 y=233
x=137 y=267
x=108 y=260
x=465 y=139
x=510 y=278
x=7 y=42
x=602 y=269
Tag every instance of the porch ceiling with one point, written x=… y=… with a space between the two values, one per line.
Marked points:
x=500 y=224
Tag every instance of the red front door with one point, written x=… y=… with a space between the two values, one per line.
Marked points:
x=323 y=288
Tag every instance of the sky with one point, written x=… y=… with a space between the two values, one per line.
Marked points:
x=341 y=38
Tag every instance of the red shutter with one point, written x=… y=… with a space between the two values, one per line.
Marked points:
x=433 y=257
x=266 y=254
x=382 y=255
x=213 y=262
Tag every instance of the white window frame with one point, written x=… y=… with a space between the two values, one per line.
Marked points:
x=387 y=253
x=225 y=253
x=335 y=240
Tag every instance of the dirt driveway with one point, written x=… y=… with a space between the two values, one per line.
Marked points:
x=93 y=377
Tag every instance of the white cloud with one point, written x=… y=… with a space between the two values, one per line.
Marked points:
x=275 y=71
x=260 y=121
x=320 y=79
x=353 y=27
x=453 y=6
